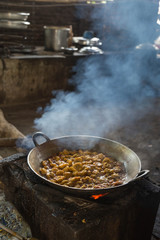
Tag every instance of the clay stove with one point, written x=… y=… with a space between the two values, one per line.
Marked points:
x=54 y=215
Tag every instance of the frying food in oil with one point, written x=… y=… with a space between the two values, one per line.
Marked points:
x=83 y=169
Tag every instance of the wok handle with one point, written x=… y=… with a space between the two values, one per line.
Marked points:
x=39 y=134
x=141 y=174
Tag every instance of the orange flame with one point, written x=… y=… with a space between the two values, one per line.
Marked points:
x=99 y=195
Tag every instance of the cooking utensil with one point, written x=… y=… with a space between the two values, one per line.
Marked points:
x=14 y=24
x=112 y=148
x=95 y=42
x=90 y=50
x=14 y=233
x=14 y=15
x=70 y=50
x=81 y=41
x=86 y=42
x=56 y=37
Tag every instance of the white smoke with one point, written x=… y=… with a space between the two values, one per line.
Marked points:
x=110 y=90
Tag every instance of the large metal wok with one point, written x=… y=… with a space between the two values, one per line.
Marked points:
x=118 y=151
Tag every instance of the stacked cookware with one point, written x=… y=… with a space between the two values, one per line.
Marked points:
x=14 y=20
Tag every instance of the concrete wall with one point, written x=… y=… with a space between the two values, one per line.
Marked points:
x=23 y=80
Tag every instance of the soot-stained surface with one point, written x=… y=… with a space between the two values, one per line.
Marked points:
x=141 y=135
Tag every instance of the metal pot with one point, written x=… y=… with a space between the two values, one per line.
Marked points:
x=114 y=149
x=56 y=37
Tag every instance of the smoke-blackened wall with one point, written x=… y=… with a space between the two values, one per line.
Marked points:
x=110 y=89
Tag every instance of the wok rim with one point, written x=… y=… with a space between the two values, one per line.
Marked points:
x=81 y=190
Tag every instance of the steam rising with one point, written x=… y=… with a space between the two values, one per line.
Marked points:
x=112 y=89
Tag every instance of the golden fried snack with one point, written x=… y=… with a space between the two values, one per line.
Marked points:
x=83 y=169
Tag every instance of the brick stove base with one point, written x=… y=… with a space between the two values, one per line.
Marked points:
x=53 y=215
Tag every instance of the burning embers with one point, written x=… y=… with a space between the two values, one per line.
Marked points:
x=99 y=195
x=54 y=213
